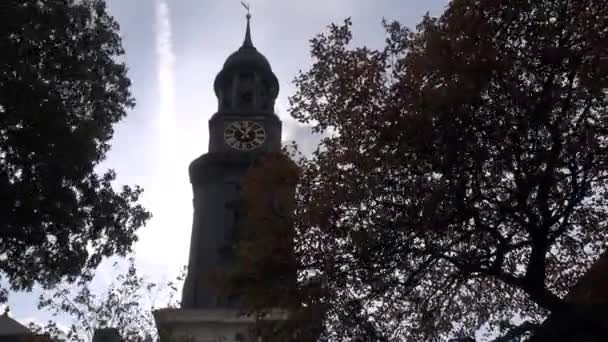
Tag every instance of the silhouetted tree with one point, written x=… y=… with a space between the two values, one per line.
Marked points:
x=461 y=184
x=126 y=305
x=62 y=88
x=264 y=280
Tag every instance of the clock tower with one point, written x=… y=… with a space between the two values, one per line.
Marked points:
x=243 y=128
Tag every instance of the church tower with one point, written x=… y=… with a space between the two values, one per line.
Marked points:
x=243 y=128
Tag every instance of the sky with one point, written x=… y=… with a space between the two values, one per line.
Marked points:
x=174 y=50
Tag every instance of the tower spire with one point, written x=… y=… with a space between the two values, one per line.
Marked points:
x=247 y=42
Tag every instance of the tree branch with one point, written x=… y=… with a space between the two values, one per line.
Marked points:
x=518 y=331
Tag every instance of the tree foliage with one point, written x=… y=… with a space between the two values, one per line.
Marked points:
x=62 y=88
x=461 y=184
x=265 y=276
x=268 y=209
x=126 y=305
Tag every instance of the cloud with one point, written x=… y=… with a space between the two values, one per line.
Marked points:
x=167 y=129
x=167 y=193
x=167 y=186
x=166 y=75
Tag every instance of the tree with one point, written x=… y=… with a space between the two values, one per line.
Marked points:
x=62 y=88
x=126 y=305
x=265 y=276
x=461 y=184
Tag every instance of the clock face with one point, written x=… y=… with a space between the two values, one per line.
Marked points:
x=244 y=135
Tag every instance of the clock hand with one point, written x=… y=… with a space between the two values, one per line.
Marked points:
x=247 y=130
x=242 y=129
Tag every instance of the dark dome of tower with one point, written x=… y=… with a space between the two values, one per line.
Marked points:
x=246 y=82
x=247 y=58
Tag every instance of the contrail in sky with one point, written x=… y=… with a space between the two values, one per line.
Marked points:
x=166 y=84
